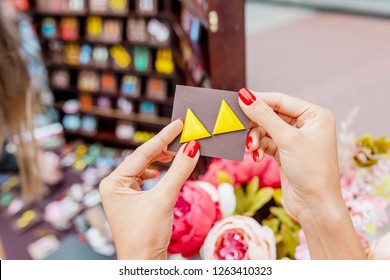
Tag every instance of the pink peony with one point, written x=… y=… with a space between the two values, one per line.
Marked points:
x=195 y=213
x=380 y=249
x=242 y=172
x=302 y=250
x=239 y=238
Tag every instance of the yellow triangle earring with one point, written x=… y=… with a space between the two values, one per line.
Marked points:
x=193 y=129
x=227 y=121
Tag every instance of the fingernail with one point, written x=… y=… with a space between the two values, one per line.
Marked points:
x=191 y=148
x=246 y=96
x=249 y=141
x=181 y=119
x=255 y=155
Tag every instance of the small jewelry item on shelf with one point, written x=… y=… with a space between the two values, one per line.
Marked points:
x=146 y=7
x=49 y=28
x=100 y=56
x=197 y=73
x=136 y=30
x=158 y=31
x=130 y=86
x=85 y=54
x=195 y=30
x=118 y=6
x=164 y=61
x=89 y=124
x=143 y=136
x=94 y=27
x=76 y=5
x=125 y=131
x=148 y=107
x=112 y=31
x=43 y=247
x=186 y=19
x=85 y=102
x=156 y=88
x=69 y=28
x=71 y=54
x=98 y=6
x=71 y=122
x=71 y=106
x=59 y=213
x=56 y=49
x=88 y=81
x=121 y=56
x=60 y=78
x=141 y=58
x=125 y=105
x=108 y=82
x=104 y=102
x=26 y=220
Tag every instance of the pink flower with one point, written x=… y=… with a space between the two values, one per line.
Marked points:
x=242 y=172
x=195 y=213
x=380 y=249
x=239 y=238
x=302 y=250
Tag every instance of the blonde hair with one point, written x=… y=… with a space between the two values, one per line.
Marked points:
x=16 y=110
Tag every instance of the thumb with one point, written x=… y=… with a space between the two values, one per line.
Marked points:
x=263 y=115
x=182 y=166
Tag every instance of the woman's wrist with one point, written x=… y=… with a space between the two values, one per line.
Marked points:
x=329 y=231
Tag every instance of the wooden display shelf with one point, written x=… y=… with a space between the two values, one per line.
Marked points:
x=114 y=114
x=194 y=8
x=130 y=13
x=148 y=73
x=125 y=43
x=117 y=94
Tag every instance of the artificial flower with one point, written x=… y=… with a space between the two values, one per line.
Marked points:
x=227 y=199
x=195 y=213
x=242 y=172
x=239 y=238
x=380 y=249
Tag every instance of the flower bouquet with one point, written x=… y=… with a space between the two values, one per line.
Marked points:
x=235 y=212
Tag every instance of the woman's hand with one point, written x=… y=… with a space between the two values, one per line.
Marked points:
x=302 y=138
x=141 y=221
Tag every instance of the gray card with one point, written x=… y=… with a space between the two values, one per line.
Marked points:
x=205 y=104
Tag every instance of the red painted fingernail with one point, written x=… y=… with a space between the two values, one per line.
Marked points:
x=246 y=96
x=255 y=156
x=179 y=119
x=191 y=149
x=249 y=141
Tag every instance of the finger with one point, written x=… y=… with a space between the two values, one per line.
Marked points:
x=259 y=111
x=140 y=159
x=149 y=174
x=286 y=104
x=163 y=158
x=253 y=139
x=181 y=168
x=268 y=146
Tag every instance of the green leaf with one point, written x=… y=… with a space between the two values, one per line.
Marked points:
x=290 y=239
x=260 y=198
x=278 y=196
x=224 y=177
x=272 y=223
x=253 y=186
x=240 y=201
x=281 y=214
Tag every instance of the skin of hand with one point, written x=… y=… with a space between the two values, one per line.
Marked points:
x=302 y=138
x=141 y=221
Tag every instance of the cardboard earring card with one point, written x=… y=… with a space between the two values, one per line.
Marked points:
x=214 y=119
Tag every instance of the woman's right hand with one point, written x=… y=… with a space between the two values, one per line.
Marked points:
x=302 y=138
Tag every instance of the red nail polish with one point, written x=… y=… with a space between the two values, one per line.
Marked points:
x=246 y=96
x=255 y=156
x=191 y=148
x=179 y=119
x=249 y=141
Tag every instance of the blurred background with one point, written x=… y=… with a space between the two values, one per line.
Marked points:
x=106 y=73
x=332 y=52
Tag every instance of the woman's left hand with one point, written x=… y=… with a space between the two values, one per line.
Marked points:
x=141 y=221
